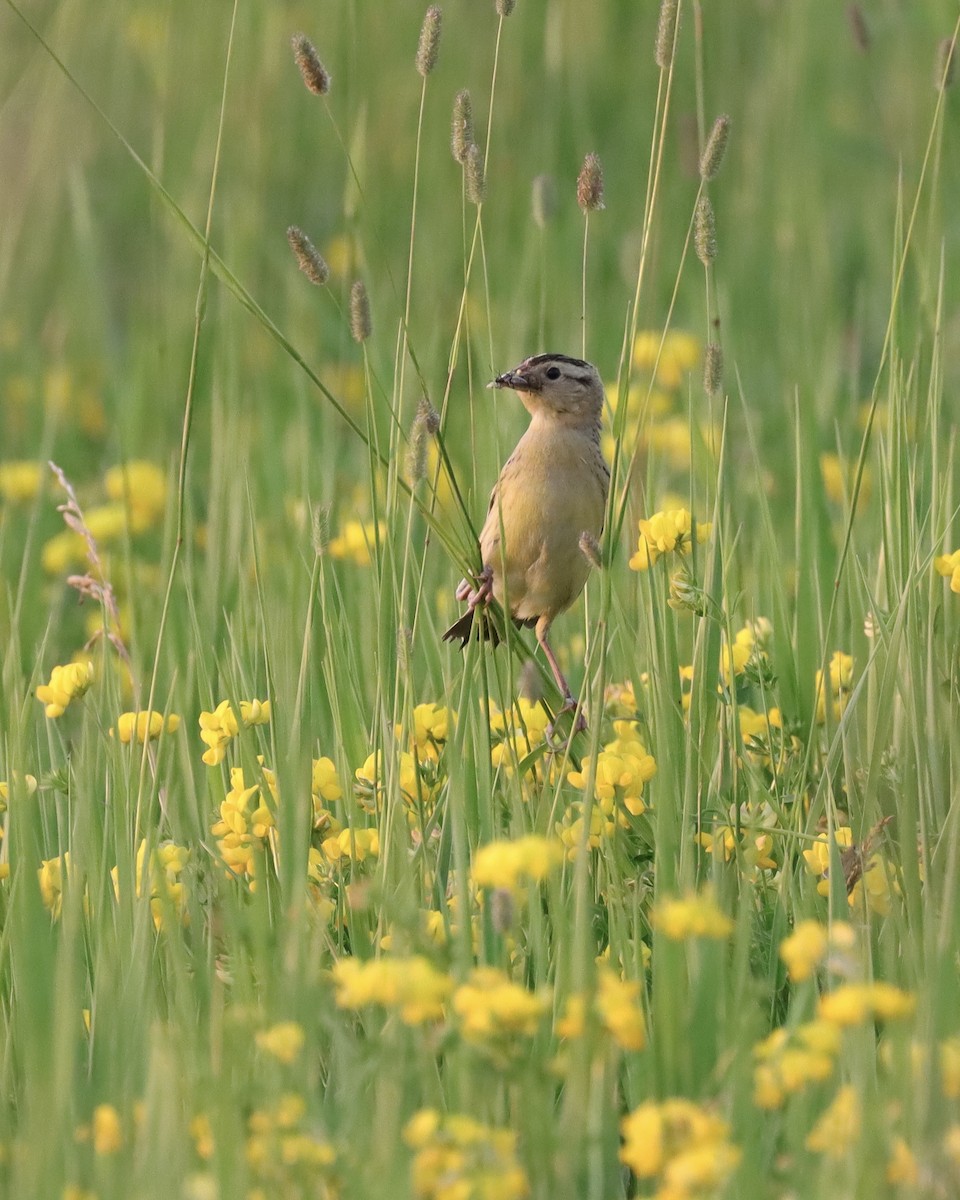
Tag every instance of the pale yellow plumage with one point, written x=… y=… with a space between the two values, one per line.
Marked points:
x=551 y=492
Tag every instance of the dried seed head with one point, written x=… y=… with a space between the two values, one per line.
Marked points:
x=666 y=32
x=705 y=230
x=501 y=910
x=360 y=325
x=712 y=368
x=506 y=7
x=309 y=259
x=315 y=74
x=713 y=152
x=530 y=685
x=590 y=549
x=461 y=138
x=320 y=528
x=474 y=174
x=859 y=28
x=946 y=67
x=429 y=45
x=425 y=425
x=685 y=596
x=590 y=184
x=544 y=200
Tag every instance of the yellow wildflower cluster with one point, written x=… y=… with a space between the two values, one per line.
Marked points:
x=753 y=847
x=876 y=884
x=669 y=355
x=856 y=1003
x=789 y=1059
x=431 y=728
x=137 y=493
x=840 y=676
x=418 y=784
x=350 y=845
x=356 y=540
x=217 y=728
x=144 y=726
x=681 y=1145
x=284 y=1157
x=282 y=1041
x=839 y=475
x=512 y=864
x=52 y=874
x=809 y=945
x=246 y=826
x=66 y=683
x=412 y=986
x=160 y=879
x=104 y=1131
x=837 y=1129
x=617 y=1007
x=458 y=1158
x=324 y=789
x=948 y=565
x=29 y=784
x=494 y=1010
x=672 y=530
x=692 y=916
x=623 y=767
x=19 y=481
x=518 y=731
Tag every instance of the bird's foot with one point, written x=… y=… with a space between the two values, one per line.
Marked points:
x=579 y=724
x=481 y=594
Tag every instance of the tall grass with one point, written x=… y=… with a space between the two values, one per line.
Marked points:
x=176 y=936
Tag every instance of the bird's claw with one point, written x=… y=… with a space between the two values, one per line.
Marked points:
x=481 y=594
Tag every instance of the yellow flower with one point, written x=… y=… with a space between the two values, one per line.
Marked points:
x=684 y=1144
x=838 y=478
x=352 y=844
x=902 y=1166
x=106 y=1130
x=838 y=1127
x=950 y=1067
x=508 y=864
x=66 y=683
x=457 y=1158
x=491 y=1006
x=623 y=767
x=841 y=681
x=807 y=946
x=29 y=784
x=695 y=915
x=20 y=481
x=283 y=1041
x=162 y=883
x=854 y=1003
x=144 y=726
x=412 y=986
x=679 y=353
x=948 y=565
x=218 y=727
x=356 y=540
x=51 y=876
x=672 y=530
x=790 y=1059
x=620 y=1010
x=142 y=488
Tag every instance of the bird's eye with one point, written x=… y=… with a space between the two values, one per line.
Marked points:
x=553 y=373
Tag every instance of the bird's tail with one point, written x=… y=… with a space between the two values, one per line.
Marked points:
x=464 y=627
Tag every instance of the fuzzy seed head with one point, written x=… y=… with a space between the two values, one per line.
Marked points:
x=705 y=230
x=502 y=910
x=946 y=67
x=320 y=528
x=429 y=45
x=544 y=200
x=360 y=324
x=859 y=28
x=666 y=32
x=475 y=175
x=590 y=184
x=315 y=74
x=309 y=259
x=712 y=368
x=713 y=152
x=530 y=685
x=461 y=137
x=425 y=425
x=590 y=549
x=506 y=7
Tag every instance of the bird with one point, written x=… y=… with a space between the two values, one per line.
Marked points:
x=547 y=504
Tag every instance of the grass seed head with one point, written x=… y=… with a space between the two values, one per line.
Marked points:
x=429 y=45
x=309 y=259
x=506 y=7
x=544 y=200
x=360 y=324
x=461 y=137
x=425 y=425
x=946 y=67
x=475 y=174
x=713 y=152
x=705 y=230
x=712 y=368
x=666 y=33
x=320 y=528
x=590 y=184
x=530 y=685
x=315 y=74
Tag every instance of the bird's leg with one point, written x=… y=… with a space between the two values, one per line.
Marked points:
x=569 y=699
x=481 y=594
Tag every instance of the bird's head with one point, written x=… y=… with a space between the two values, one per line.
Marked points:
x=554 y=385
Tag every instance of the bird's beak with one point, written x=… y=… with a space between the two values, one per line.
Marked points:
x=511 y=379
